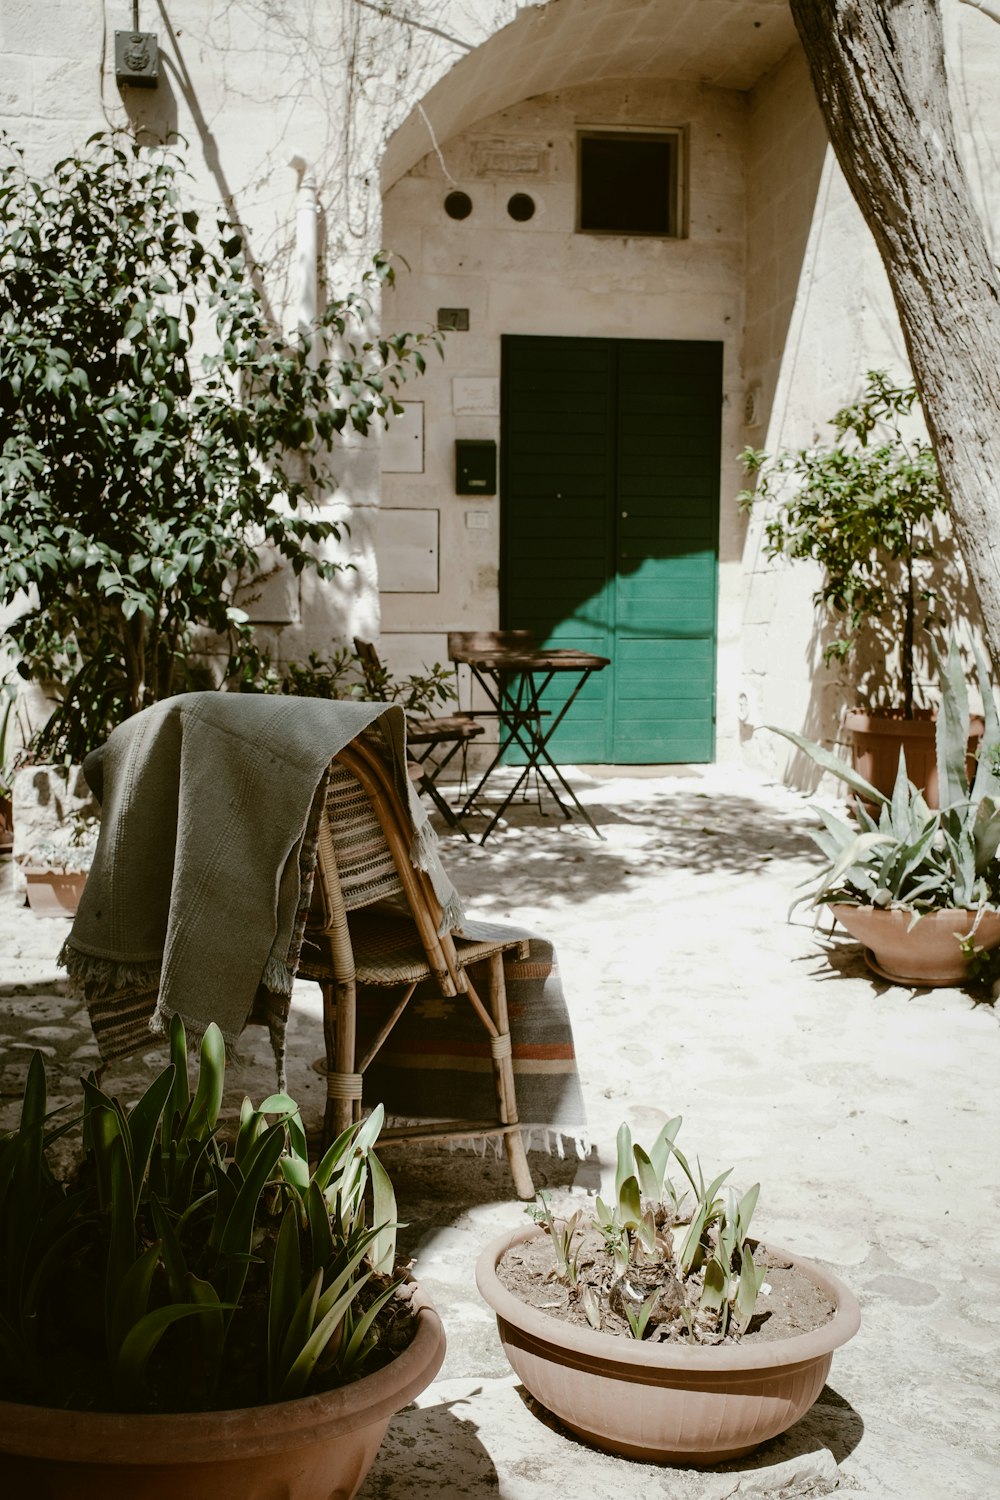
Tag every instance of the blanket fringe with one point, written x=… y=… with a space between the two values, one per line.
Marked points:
x=548 y=1138
x=424 y=855
x=102 y=976
x=277 y=976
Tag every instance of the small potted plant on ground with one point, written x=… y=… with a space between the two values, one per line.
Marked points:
x=867 y=508
x=920 y=887
x=188 y=1317
x=659 y=1329
x=56 y=869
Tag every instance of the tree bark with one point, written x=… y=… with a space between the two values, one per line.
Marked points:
x=878 y=69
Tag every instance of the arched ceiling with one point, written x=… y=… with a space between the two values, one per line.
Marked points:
x=563 y=43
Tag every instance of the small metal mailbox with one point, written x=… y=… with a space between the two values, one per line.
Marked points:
x=475 y=466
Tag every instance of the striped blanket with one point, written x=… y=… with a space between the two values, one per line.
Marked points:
x=438 y=1050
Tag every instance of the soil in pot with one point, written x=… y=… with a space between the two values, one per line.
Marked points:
x=793 y=1303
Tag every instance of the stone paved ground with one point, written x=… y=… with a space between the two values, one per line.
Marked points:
x=870 y=1114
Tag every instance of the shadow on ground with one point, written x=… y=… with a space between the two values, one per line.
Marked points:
x=686 y=831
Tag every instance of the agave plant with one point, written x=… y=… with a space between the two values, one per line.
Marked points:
x=912 y=856
x=176 y=1272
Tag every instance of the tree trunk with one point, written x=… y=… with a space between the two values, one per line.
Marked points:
x=879 y=73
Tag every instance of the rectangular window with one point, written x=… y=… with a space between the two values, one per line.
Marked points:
x=629 y=182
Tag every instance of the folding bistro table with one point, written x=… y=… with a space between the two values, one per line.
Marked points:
x=513 y=674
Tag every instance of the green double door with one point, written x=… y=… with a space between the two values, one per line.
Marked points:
x=610 y=453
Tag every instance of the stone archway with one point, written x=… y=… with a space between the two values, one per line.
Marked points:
x=501 y=124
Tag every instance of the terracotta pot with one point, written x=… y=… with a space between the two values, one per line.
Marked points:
x=54 y=893
x=316 y=1448
x=929 y=953
x=663 y=1402
x=876 y=741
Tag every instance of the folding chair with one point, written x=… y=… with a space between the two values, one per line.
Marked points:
x=454 y=730
x=349 y=943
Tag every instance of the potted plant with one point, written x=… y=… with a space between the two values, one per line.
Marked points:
x=659 y=1329
x=55 y=869
x=866 y=508
x=186 y=1316
x=920 y=887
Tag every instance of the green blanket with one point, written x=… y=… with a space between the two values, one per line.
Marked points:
x=195 y=887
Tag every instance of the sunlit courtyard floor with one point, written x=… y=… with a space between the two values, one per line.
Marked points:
x=869 y=1113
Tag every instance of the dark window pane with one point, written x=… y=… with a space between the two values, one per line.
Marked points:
x=627 y=184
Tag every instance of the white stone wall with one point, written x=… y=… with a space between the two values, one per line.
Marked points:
x=398 y=96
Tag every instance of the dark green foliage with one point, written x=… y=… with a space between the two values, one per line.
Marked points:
x=341 y=675
x=156 y=430
x=176 y=1273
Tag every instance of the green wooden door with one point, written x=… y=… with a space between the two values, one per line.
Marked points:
x=609 y=533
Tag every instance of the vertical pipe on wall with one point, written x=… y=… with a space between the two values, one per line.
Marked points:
x=306 y=245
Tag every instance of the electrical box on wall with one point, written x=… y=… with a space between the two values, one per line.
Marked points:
x=475 y=466
x=137 y=59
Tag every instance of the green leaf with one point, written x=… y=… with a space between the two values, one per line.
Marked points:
x=716 y=1285
x=952 y=730
x=144 y=1121
x=629 y=1203
x=285 y=1293
x=356 y=1346
x=237 y=1232
x=132 y=1298
x=832 y=763
x=207 y=1102
x=141 y=1340
x=623 y=1168
x=303 y=1365
x=383 y=1253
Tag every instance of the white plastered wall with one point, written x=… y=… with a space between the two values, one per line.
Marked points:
x=249 y=84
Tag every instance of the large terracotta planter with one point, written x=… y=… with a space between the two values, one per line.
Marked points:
x=876 y=741
x=927 y=953
x=54 y=893
x=662 y=1402
x=316 y=1448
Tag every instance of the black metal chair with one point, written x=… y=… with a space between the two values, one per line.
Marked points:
x=454 y=731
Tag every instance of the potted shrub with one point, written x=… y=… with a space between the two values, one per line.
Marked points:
x=659 y=1329
x=162 y=437
x=189 y=1317
x=920 y=887
x=866 y=508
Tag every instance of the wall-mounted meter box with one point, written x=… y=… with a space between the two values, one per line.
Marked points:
x=137 y=59
x=475 y=466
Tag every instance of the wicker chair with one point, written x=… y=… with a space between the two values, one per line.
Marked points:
x=425 y=736
x=351 y=941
